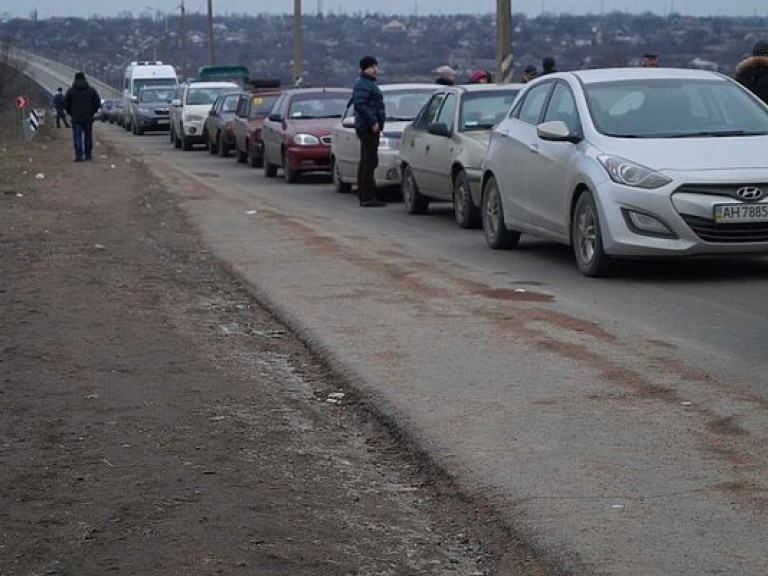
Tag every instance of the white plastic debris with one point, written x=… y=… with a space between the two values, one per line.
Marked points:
x=99 y=246
x=39 y=176
x=520 y=290
x=250 y=212
x=335 y=397
x=617 y=506
x=112 y=166
x=687 y=403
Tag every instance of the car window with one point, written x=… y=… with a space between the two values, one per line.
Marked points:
x=404 y=105
x=533 y=104
x=230 y=102
x=429 y=112
x=483 y=110
x=320 y=106
x=562 y=107
x=261 y=105
x=658 y=108
x=448 y=111
x=280 y=106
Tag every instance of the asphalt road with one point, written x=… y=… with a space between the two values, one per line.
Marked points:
x=619 y=423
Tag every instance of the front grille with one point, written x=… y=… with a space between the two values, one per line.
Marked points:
x=708 y=231
x=326 y=140
x=729 y=190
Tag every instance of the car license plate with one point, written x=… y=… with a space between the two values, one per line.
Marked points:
x=736 y=213
x=163 y=121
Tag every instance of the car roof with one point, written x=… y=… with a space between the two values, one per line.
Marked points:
x=409 y=85
x=294 y=91
x=483 y=87
x=214 y=85
x=635 y=73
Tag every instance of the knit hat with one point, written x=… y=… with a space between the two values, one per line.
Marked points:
x=530 y=69
x=760 y=48
x=79 y=76
x=446 y=71
x=367 y=61
x=478 y=75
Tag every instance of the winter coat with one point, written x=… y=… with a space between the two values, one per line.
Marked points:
x=81 y=101
x=369 y=103
x=58 y=102
x=752 y=73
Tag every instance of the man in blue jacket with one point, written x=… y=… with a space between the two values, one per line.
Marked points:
x=369 y=122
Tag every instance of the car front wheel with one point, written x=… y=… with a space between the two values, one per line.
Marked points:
x=255 y=156
x=413 y=200
x=338 y=184
x=496 y=234
x=587 y=238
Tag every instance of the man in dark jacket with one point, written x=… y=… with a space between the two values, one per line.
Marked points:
x=752 y=72
x=58 y=104
x=369 y=122
x=81 y=103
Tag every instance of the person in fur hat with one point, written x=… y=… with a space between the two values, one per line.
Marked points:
x=752 y=72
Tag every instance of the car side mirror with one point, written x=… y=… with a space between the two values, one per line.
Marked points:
x=557 y=131
x=439 y=129
x=275 y=117
x=211 y=112
x=348 y=122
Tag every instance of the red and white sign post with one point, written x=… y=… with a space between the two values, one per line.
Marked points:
x=22 y=102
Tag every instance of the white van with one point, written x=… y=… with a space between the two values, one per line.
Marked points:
x=140 y=74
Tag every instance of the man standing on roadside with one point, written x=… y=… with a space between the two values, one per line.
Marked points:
x=81 y=103
x=58 y=104
x=752 y=72
x=369 y=122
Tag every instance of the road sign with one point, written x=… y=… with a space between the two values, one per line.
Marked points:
x=22 y=101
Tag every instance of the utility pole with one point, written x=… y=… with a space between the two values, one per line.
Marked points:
x=504 y=61
x=211 y=53
x=183 y=43
x=298 y=51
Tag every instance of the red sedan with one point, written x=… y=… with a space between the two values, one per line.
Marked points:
x=297 y=133
x=251 y=111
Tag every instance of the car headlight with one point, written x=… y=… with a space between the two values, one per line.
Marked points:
x=390 y=141
x=193 y=118
x=144 y=110
x=306 y=140
x=623 y=171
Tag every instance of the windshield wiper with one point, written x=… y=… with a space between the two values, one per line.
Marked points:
x=717 y=134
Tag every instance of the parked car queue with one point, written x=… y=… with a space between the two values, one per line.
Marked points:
x=616 y=163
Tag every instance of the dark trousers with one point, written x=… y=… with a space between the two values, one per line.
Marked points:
x=82 y=137
x=369 y=159
x=61 y=115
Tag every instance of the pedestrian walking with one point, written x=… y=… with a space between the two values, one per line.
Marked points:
x=752 y=72
x=81 y=103
x=370 y=113
x=58 y=104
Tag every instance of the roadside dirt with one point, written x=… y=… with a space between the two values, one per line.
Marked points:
x=156 y=420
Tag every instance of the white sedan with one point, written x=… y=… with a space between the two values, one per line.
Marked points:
x=402 y=102
x=630 y=163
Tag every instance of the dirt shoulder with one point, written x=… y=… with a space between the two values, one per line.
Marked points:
x=157 y=420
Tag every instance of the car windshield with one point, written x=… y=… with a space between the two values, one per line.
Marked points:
x=483 y=110
x=261 y=106
x=156 y=95
x=674 y=109
x=307 y=107
x=403 y=105
x=205 y=95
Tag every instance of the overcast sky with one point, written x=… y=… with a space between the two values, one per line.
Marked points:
x=85 y=8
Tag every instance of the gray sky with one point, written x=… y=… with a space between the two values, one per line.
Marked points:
x=85 y=8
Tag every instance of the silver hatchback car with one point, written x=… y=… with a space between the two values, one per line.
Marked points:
x=630 y=162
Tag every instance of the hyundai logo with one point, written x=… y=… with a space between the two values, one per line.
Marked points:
x=749 y=193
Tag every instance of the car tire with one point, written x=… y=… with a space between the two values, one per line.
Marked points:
x=339 y=185
x=497 y=236
x=467 y=214
x=291 y=175
x=255 y=156
x=186 y=143
x=222 y=147
x=587 y=238
x=171 y=135
x=413 y=200
x=138 y=130
x=176 y=140
x=212 y=148
x=270 y=170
